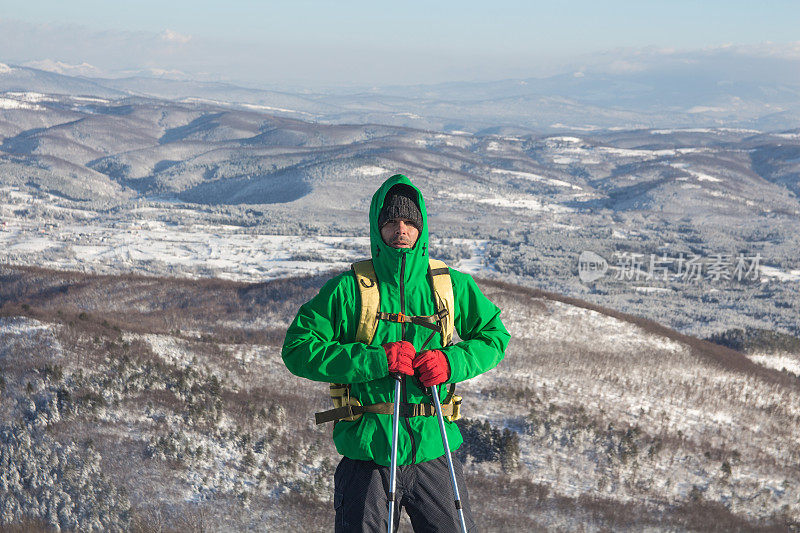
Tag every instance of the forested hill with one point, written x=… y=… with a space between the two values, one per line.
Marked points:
x=148 y=404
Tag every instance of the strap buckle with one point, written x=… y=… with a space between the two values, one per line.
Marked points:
x=396 y=317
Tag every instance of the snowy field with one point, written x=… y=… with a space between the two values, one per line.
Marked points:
x=137 y=242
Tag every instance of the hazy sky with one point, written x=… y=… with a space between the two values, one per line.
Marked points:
x=374 y=42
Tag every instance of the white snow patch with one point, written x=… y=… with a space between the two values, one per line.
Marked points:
x=788 y=361
x=705 y=177
x=652 y=289
x=703 y=130
x=371 y=170
x=564 y=139
x=687 y=130
x=523 y=202
x=23 y=325
x=91 y=99
x=705 y=109
x=257 y=107
x=5 y=68
x=174 y=349
x=11 y=103
x=535 y=177
x=476 y=264
x=720 y=194
x=59 y=67
x=563 y=160
x=561 y=125
x=700 y=176
x=28 y=96
x=780 y=275
x=458 y=195
x=494 y=146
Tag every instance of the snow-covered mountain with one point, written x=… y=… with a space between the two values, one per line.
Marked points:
x=83 y=177
x=691 y=93
x=117 y=387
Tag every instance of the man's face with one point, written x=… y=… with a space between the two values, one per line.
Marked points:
x=399 y=233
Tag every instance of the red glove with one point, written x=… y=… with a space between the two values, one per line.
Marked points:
x=432 y=367
x=400 y=355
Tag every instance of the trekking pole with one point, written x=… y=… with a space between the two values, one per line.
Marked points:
x=435 y=393
x=393 y=467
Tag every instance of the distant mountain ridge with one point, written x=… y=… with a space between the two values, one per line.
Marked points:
x=685 y=96
x=209 y=153
x=522 y=204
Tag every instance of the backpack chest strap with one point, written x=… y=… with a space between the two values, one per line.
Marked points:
x=432 y=322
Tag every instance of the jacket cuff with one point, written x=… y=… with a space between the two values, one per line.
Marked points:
x=456 y=369
x=378 y=362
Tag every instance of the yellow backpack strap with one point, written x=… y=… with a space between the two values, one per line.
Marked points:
x=367 y=283
x=443 y=296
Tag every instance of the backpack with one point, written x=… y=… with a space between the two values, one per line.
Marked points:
x=348 y=408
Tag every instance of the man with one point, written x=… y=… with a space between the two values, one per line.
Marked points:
x=320 y=345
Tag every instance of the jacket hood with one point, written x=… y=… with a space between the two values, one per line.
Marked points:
x=388 y=260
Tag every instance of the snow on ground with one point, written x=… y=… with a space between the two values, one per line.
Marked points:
x=700 y=176
x=28 y=96
x=19 y=335
x=255 y=107
x=786 y=135
x=523 y=202
x=705 y=177
x=564 y=139
x=703 y=130
x=781 y=361
x=652 y=289
x=772 y=272
x=644 y=154
x=516 y=201
x=494 y=146
x=571 y=150
x=372 y=170
x=90 y=99
x=169 y=348
x=19 y=326
x=189 y=250
x=706 y=109
x=728 y=196
x=560 y=125
x=535 y=177
x=12 y=103
x=687 y=130
x=476 y=264
x=567 y=323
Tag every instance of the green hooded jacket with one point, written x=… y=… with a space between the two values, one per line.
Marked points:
x=320 y=345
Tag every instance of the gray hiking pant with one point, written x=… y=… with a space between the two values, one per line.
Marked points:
x=361 y=500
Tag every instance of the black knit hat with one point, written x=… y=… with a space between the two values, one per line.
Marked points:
x=400 y=202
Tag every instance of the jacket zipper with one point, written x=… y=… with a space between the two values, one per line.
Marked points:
x=404 y=392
